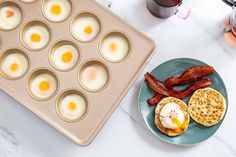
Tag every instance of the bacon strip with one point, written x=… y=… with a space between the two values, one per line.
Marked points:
x=160 y=88
x=190 y=75
x=155 y=99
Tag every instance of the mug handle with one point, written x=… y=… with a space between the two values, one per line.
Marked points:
x=183 y=12
x=232 y=23
x=230 y=26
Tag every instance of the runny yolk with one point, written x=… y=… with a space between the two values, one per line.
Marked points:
x=56 y=9
x=9 y=13
x=113 y=47
x=66 y=57
x=44 y=86
x=184 y=125
x=88 y=30
x=92 y=75
x=180 y=126
x=176 y=121
x=14 y=67
x=72 y=106
x=35 y=38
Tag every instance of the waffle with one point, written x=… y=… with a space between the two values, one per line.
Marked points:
x=207 y=106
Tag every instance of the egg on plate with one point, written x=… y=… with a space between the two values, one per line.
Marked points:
x=36 y=37
x=14 y=64
x=93 y=77
x=43 y=85
x=56 y=10
x=64 y=56
x=115 y=47
x=10 y=17
x=171 y=116
x=72 y=107
x=85 y=27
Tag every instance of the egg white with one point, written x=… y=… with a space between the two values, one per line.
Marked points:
x=65 y=10
x=166 y=113
x=34 y=86
x=40 y=30
x=7 y=23
x=80 y=23
x=121 y=51
x=14 y=58
x=58 y=53
x=75 y=114
x=99 y=82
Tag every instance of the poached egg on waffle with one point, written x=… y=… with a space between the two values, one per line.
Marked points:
x=171 y=116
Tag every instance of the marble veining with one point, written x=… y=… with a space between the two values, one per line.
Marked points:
x=9 y=146
x=106 y=3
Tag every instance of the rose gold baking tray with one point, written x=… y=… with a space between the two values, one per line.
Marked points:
x=100 y=104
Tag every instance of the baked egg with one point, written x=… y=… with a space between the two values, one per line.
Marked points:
x=85 y=27
x=10 y=17
x=72 y=107
x=56 y=10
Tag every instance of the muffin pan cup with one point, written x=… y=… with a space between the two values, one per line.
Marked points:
x=8 y=52
x=45 y=15
x=93 y=62
x=118 y=34
x=101 y=103
x=36 y=73
x=83 y=14
x=63 y=95
x=61 y=43
x=11 y=3
x=35 y=22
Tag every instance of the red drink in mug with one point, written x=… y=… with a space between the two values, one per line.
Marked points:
x=167 y=8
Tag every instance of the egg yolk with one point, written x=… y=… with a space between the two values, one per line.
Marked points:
x=56 y=9
x=44 y=86
x=9 y=13
x=92 y=75
x=35 y=37
x=180 y=126
x=88 y=30
x=113 y=47
x=72 y=106
x=184 y=125
x=66 y=57
x=14 y=67
x=176 y=121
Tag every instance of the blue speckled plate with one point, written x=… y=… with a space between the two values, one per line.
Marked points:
x=196 y=133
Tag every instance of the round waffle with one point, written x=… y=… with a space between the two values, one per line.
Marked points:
x=207 y=106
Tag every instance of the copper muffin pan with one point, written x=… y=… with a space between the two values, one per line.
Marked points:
x=100 y=103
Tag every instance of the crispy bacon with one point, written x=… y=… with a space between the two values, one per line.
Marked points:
x=192 y=88
x=160 y=88
x=189 y=76
x=155 y=99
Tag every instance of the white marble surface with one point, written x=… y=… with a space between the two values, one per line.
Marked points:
x=22 y=134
